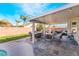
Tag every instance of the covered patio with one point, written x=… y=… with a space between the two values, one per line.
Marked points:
x=66 y=16
x=69 y=16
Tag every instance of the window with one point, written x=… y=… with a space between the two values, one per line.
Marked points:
x=73 y=23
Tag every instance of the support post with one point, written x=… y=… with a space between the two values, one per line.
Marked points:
x=44 y=31
x=33 y=32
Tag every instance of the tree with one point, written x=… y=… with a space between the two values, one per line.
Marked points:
x=17 y=22
x=24 y=18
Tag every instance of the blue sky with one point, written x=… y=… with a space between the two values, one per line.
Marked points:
x=12 y=11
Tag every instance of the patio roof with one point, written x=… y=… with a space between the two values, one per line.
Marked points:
x=58 y=16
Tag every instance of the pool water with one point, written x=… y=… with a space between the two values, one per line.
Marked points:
x=3 y=53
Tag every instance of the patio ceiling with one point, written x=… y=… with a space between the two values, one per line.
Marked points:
x=59 y=16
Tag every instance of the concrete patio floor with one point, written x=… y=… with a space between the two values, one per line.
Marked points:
x=17 y=48
x=24 y=47
x=46 y=48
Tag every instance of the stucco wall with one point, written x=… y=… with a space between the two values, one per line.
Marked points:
x=13 y=30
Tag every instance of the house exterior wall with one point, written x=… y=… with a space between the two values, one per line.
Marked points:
x=70 y=26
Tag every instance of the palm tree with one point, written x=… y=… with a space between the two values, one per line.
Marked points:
x=17 y=22
x=24 y=18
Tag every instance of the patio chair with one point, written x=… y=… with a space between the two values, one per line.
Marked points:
x=72 y=40
x=56 y=36
x=38 y=36
x=48 y=37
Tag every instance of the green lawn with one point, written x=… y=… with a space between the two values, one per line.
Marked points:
x=12 y=37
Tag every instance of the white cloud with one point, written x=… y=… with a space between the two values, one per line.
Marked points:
x=10 y=18
x=33 y=8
